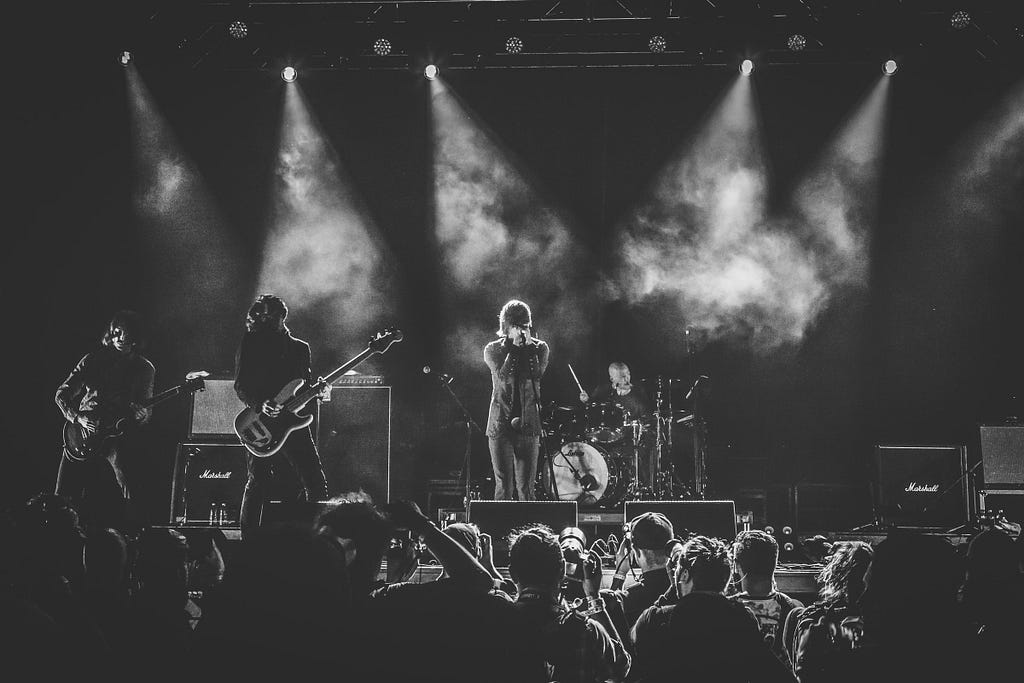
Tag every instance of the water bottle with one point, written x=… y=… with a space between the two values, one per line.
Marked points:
x=222 y=514
x=213 y=514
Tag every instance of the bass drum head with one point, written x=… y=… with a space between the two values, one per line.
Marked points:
x=592 y=464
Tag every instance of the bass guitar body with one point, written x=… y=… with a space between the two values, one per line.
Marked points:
x=263 y=435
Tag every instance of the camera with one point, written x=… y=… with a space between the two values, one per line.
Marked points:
x=572 y=541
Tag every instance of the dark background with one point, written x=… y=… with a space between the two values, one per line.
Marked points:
x=926 y=352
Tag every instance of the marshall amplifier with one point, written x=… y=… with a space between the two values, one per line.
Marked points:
x=921 y=486
x=208 y=482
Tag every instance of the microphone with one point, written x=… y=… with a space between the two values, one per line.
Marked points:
x=443 y=376
x=694 y=387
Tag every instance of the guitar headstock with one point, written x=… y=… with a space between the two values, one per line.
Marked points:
x=196 y=380
x=383 y=340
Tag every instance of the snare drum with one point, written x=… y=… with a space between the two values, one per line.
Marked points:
x=578 y=463
x=606 y=422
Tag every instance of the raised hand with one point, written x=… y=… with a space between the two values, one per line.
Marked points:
x=406 y=514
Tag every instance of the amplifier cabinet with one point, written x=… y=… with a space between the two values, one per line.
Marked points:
x=1002 y=456
x=213 y=410
x=354 y=440
x=207 y=474
x=921 y=485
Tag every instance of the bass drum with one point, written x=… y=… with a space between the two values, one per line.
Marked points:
x=584 y=473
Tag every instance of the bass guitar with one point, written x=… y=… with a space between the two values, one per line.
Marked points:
x=263 y=435
x=82 y=444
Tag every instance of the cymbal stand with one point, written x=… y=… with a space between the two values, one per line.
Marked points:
x=664 y=469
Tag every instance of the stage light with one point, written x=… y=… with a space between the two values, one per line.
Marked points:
x=657 y=44
x=796 y=42
x=289 y=74
x=514 y=45
x=889 y=68
x=430 y=72
x=382 y=47
x=960 y=19
x=238 y=29
x=746 y=67
x=124 y=57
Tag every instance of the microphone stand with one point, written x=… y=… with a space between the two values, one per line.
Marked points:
x=543 y=437
x=947 y=490
x=470 y=426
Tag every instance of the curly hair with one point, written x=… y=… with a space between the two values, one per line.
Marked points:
x=708 y=562
x=842 y=577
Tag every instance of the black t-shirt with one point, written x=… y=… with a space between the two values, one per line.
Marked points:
x=636 y=402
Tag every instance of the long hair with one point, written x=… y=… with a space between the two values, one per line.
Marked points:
x=131 y=323
x=515 y=312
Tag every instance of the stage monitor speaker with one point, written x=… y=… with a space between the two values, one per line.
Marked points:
x=354 y=440
x=206 y=474
x=714 y=518
x=293 y=512
x=499 y=517
x=214 y=410
x=1002 y=456
x=1008 y=502
x=921 y=486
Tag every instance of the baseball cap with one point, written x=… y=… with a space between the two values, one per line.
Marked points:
x=651 y=530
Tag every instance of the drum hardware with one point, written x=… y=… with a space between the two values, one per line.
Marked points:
x=586 y=473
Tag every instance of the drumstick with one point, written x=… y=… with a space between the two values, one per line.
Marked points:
x=575 y=378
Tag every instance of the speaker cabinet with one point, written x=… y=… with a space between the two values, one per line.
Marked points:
x=206 y=474
x=354 y=440
x=1002 y=456
x=214 y=410
x=499 y=517
x=714 y=518
x=921 y=486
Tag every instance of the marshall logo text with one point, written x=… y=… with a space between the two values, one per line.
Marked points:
x=211 y=474
x=914 y=487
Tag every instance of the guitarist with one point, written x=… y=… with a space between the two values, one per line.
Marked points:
x=268 y=358
x=105 y=385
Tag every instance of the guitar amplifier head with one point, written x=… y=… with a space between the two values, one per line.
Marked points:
x=214 y=410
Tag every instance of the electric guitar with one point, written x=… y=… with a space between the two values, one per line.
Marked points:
x=84 y=444
x=263 y=435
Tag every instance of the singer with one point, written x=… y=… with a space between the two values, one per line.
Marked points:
x=517 y=362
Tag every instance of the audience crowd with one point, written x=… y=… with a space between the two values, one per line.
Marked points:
x=304 y=599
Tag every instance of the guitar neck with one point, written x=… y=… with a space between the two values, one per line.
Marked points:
x=162 y=396
x=313 y=388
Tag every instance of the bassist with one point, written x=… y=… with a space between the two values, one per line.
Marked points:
x=105 y=385
x=268 y=358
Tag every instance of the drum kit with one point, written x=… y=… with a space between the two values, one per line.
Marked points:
x=598 y=452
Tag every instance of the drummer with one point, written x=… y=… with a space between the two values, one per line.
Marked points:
x=621 y=391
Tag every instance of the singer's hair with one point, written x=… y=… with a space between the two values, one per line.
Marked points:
x=534 y=556
x=515 y=312
x=266 y=304
x=707 y=560
x=756 y=552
